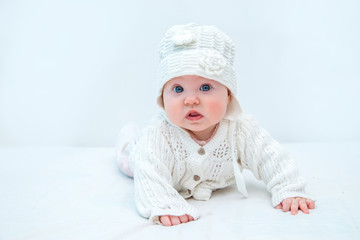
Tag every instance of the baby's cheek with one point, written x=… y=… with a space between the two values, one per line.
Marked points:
x=218 y=108
x=173 y=112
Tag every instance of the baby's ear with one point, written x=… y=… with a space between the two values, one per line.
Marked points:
x=229 y=96
x=162 y=100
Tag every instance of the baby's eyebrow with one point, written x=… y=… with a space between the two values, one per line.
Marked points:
x=207 y=83
x=176 y=84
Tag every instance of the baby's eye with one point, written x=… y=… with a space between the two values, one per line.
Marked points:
x=178 y=89
x=205 y=87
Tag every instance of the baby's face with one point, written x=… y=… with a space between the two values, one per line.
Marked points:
x=195 y=103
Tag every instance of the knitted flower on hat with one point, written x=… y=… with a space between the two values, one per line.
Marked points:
x=183 y=37
x=213 y=63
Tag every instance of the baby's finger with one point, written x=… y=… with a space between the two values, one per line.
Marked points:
x=286 y=205
x=310 y=203
x=175 y=220
x=303 y=206
x=279 y=206
x=165 y=220
x=294 y=207
x=190 y=217
x=184 y=218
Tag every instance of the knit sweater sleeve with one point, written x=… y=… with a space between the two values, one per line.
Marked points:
x=269 y=162
x=152 y=163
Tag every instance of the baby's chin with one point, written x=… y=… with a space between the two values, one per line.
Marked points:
x=199 y=128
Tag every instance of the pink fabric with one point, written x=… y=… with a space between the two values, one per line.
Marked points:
x=203 y=143
x=124 y=166
x=126 y=141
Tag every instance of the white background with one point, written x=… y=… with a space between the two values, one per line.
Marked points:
x=73 y=72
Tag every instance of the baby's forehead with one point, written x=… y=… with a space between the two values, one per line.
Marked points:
x=190 y=79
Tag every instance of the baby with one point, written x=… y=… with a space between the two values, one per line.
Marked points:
x=202 y=141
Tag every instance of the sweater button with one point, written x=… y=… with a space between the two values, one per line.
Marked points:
x=201 y=151
x=196 y=178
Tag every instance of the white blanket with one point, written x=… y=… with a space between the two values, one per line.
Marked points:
x=78 y=193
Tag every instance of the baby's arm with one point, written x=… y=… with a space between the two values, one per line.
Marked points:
x=266 y=158
x=155 y=195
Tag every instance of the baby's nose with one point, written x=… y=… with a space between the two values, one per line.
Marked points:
x=191 y=100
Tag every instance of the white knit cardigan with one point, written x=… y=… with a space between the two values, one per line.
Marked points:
x=169 y=166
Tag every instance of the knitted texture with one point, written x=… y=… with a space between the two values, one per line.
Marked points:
x=198 y=50
x=169 y=165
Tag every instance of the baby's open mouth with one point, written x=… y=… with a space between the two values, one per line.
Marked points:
x=193 y=116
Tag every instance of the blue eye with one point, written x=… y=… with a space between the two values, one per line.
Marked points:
x=205 y=87
x=178 y=89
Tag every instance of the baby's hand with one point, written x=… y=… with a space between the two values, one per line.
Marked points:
x=296 y=203
x=168 y=220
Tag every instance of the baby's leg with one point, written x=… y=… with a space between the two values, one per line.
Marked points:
x=125 y=143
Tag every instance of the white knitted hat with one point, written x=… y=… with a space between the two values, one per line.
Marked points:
x=199 y=50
